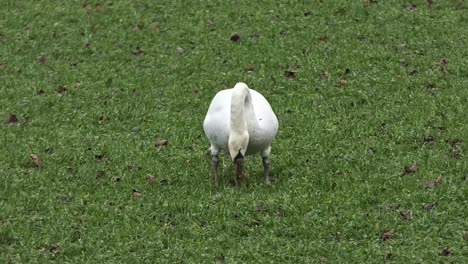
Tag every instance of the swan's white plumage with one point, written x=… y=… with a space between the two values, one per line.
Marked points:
x=263 y=126
x=251 y=129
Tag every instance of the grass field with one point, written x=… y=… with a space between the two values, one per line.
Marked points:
x=370 y=164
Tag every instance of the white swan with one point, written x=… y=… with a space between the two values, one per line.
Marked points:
x=240 y=121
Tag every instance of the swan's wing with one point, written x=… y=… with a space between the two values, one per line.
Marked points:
x=216 y=124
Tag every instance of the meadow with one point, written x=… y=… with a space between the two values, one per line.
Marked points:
x=103 y=156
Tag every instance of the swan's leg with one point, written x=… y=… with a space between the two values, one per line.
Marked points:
x=266 y=164
x=215 y=168
x=239 y=164
x=215 y=160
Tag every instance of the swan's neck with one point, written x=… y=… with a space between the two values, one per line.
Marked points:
x=242 y=113
x=242 y=120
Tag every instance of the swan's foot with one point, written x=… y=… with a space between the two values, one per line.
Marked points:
x=266 y=169
x=215 y=160
x=239 y=164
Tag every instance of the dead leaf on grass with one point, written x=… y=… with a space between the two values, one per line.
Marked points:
x=324 y=74
x=61 y=89
x=138 y=52
x=406 y=215
x=36 y=161
x=137 y=27
x=392 y=206
x=324 y=38
x=42 y=59
x=446 y=252
x=180 y=51
x=220 y=259
x=235 y=37
x=410 y=169
x=290 y=74
x=260 y=207
x=430 y=184
x=430 y=206
x=100 y=174
x=386 y=235
x=409 y=6
x=161 y=143
x=249 y=68
x=12 y=120
x=341 y=84
x=136 y=193
x=99 y=157
x=40 y=92
x=52 y=250
x=150 y=178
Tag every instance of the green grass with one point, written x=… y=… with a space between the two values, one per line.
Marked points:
x=337 y=163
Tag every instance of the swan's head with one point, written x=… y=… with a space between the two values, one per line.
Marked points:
x=238 y=144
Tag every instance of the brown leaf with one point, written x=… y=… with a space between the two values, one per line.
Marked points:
x=150 y=178
x=260 y=207
x=430 y=206
x=195 y=90
x=406 y=215
x=341 y=84
x=136 y=193
x=323 y=38
x=323 y=260
x=12 y=120
x=153 y=27
x=249 y=68
x=42 y=59
x=410 y=169
x=161 y=142
x=138 y=52
x=432 y=183
x=324 y=74
x=409 y=6
x=220 y=259
x=65 y=199
x=36 y=161
x=290 y=74
x=235 y=38
x=40 y=92
x=456 y=153
x=428 y=140
x=52 y=250
x=180 y=51
x=99 y=157
x=392 y=206
x=387 y=234
x=254 y=36
x=61 y=89
x=137 y=27
x=210 y=24
x=100 y=174
x=446 y=252
x=84 y=4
